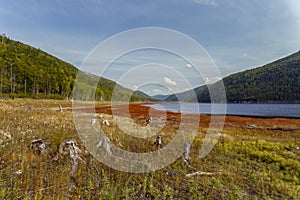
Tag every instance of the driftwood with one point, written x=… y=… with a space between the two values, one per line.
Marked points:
x=105 y=122
x=105 y=144
x=70 y=147
x=296 y=149
x=39 y=147
x=199 y=173
x=93 y=121
x=250 y=126
x=284 y=129
x=148 y=120
x=60 y=108
x=100 y=116
x=158 y=141
x=275 y=128
x=186 y=153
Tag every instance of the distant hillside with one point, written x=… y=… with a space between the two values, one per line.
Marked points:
x=29 y=72
x=187 y=95
x=160 y=97
x=278 y=82
x=143 y=94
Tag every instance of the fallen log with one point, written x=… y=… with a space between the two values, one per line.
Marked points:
x=199 y=173
x=284 y=129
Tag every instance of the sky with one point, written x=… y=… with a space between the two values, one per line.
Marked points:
x=234 y=35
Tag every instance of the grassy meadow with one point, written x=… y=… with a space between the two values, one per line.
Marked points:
x=252 y=163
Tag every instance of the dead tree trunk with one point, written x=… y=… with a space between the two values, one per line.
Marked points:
x=60 y=108
x=11 y=82
x=105 y=144
x=186 y=153
x=69 y=147
x=1 y=82
x=25 y=86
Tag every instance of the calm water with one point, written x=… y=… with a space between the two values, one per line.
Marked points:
x=264 y=110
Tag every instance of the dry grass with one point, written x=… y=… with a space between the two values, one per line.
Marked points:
x=254 y=163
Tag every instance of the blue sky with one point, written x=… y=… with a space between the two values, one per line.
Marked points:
x=237 y=34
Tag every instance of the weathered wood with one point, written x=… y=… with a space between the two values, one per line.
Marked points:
x=105 y=122
x=158 y=141
x=250 y=126
x=69 y=147
x=199 y=173
x=186 y=153
x=105 y=144
x=148 y=120
x=39 y=147
x=284 y=129
x=60 y=108
x=93 y=121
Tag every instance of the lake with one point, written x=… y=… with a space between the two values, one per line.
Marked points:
x=258 y=110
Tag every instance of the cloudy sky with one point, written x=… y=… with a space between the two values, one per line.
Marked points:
x=235 y=34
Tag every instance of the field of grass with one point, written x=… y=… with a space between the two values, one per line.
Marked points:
x=256 y=163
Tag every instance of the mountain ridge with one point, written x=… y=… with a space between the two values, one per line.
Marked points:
x=275 y=82
x=26 y=71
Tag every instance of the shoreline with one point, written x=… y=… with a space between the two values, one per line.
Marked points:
x=254 y=115
x=140 y=112
x=143 y=104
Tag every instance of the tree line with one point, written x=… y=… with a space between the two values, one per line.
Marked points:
x=29 y=72
x=277 y=82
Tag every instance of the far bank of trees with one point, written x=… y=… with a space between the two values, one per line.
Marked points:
x=29 y=72
x=277 y=82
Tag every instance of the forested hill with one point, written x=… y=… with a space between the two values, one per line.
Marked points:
x=29 y=72
x=277 y=82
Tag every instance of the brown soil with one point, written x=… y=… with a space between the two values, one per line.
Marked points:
x=139 y=112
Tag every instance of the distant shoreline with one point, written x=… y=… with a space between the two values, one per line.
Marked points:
x=143 y=106
x=290 y=111
x=238 y=102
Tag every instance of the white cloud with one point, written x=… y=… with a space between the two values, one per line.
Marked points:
x=211 y=80
x=133 y=87
x=206 y=2
x=157 y=91
x=169 y=81
x=189 y=65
